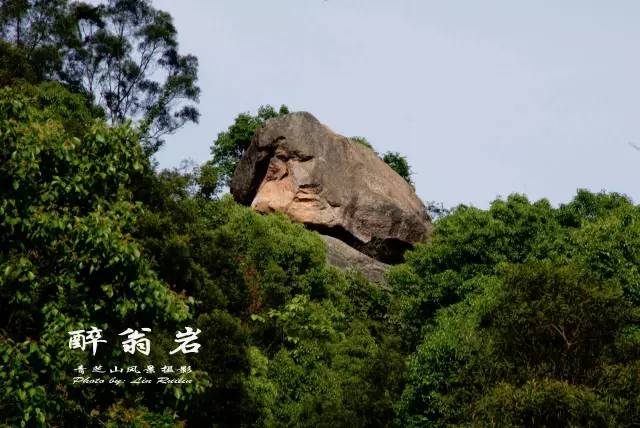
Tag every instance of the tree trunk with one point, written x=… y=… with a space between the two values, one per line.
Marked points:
x=18 y=31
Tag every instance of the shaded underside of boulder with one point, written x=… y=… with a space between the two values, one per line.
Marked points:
x=345 y=257
x=298 y=166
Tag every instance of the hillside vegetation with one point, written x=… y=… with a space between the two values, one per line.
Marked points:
x=523 y=314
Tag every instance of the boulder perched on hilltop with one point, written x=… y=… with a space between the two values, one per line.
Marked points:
x=298 y=166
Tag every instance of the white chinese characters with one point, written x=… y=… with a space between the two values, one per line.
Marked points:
x=136 y=340
x=80 y=339
x=185 y=339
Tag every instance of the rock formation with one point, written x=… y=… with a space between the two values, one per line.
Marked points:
x=344 y=257
x=298 y=166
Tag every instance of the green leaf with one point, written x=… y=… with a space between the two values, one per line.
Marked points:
x=108 y=290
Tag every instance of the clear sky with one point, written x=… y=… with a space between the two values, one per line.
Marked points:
x=485 y=98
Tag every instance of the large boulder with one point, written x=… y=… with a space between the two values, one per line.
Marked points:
x=298 y=166
x=344 y=257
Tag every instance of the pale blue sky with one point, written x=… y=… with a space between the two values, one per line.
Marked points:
x=485 y=98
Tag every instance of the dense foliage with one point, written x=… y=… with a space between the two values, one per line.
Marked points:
x=525 y=315
x=399 y=164
x=231 y=144
x=519 y=315
x=289 y=340
x=67 y=259
x=121 y=53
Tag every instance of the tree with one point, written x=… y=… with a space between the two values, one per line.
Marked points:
x=399 y=164
x=291 y=341
x=524 y=315
x=436 y=210
x=38 y=29
x=544 y=343
x=230 y=145
x=395 y=160
x=128 y=59
x=122 y=53
x=14 y=65
x=67 y=258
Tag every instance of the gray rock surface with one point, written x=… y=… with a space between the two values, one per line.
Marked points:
x=344 y=257
x=298 y=166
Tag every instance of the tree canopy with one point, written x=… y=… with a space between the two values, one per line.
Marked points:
x=67 y=258
x=123 y=54
x=522 y=314
x=231 y=144
x=399 y=164
x=519 y=315
x=527 y=316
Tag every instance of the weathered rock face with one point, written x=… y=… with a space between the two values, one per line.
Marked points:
x=298 y=166
x=344 y=257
